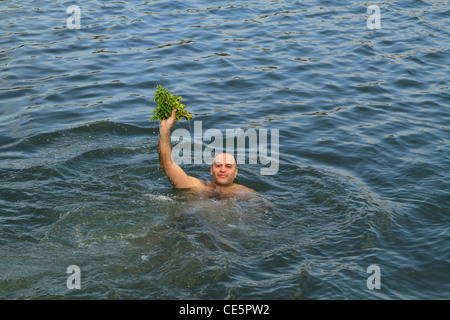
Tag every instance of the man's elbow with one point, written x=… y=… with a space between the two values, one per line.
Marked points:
x=165 y=163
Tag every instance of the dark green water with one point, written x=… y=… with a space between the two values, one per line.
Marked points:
x=363 y=120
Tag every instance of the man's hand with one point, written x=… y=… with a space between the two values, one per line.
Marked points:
x=167 y=124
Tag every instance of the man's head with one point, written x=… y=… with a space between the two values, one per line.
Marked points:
x=223 y=169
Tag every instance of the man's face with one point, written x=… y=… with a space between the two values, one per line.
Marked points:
x=223 y=169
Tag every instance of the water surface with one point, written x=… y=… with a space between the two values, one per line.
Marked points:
x=363 y=118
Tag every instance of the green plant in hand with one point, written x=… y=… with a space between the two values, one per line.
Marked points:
x=166 y=103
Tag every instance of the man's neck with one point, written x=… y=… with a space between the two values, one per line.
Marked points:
x=222 y=187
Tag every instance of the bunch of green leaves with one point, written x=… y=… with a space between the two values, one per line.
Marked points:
x=166 y=103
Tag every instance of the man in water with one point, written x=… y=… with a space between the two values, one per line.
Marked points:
x=223 y=169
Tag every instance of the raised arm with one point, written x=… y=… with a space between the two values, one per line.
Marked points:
x=178 y=178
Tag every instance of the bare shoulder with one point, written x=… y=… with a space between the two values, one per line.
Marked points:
x=209 y=189
x=199 y=185
x=241 y=188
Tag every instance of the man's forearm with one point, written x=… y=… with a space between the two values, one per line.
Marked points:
x=165 y=149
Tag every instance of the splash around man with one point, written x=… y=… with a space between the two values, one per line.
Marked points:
x=223 y=169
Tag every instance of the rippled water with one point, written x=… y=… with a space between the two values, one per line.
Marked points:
x=362 y=114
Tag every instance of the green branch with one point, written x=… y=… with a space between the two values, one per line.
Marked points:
x=166 y=103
